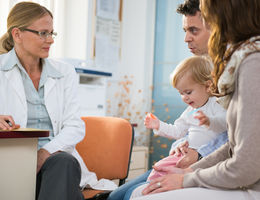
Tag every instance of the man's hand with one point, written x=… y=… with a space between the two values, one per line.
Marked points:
x=188 y=158
x=42 y=155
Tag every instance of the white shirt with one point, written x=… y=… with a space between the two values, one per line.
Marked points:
x=186 y=123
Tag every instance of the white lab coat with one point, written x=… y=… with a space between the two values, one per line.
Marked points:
x=60 y=95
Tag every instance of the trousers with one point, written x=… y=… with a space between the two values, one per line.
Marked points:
x=59 y=178
x=124 y=191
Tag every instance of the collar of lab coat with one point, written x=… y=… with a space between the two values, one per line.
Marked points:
x=11 y=60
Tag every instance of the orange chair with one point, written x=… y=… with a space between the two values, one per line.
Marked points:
x=106 y=150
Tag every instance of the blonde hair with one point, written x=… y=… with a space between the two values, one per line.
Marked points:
x=21 y=15
x=199 y=67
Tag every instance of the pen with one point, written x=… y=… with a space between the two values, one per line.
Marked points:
x=9 y=123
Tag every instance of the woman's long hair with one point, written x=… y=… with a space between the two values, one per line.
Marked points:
x=232 y=22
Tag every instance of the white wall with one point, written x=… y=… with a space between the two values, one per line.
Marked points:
x=71 y=22
x=138 y=23
x=76 y=30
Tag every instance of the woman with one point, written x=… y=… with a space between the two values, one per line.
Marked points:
x=39 y=93
x=233 y=171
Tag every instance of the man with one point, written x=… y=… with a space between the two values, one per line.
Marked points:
x=197 y=35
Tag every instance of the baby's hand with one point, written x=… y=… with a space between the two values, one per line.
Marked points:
x=151 y=121
x=204 y=120
x=181 y=149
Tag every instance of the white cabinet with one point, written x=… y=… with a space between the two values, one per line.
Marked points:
x=92 y=91
x=139 y=162
x=92 y=86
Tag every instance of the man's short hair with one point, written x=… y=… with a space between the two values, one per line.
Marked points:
x=189 y=7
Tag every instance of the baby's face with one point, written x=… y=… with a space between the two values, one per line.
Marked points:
x=192 y=93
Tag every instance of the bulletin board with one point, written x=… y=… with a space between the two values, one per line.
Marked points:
x=107 y=36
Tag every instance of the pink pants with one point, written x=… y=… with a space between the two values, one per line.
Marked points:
x=168 y=161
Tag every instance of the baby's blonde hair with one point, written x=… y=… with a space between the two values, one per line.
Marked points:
x=199 y=67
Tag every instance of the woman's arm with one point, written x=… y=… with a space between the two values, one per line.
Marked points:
x=71 y=128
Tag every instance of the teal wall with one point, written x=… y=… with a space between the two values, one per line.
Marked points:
x=170 y=49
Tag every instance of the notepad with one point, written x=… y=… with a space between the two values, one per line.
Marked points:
x=25 y=130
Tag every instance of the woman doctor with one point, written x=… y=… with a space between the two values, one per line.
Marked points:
x=37 y=92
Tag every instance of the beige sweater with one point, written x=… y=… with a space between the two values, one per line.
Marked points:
x=236 y=165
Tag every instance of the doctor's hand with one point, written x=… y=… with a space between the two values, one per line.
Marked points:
x=42 y=156
x=7 y=123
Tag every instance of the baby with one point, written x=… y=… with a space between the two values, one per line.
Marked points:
x=203 y=119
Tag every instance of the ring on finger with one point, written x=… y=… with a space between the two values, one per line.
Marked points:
x=158 y=184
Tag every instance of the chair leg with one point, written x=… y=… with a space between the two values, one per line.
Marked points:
x=121 y=182
x=100 y=196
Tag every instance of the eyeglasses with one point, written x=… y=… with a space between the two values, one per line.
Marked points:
x=42 y=34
